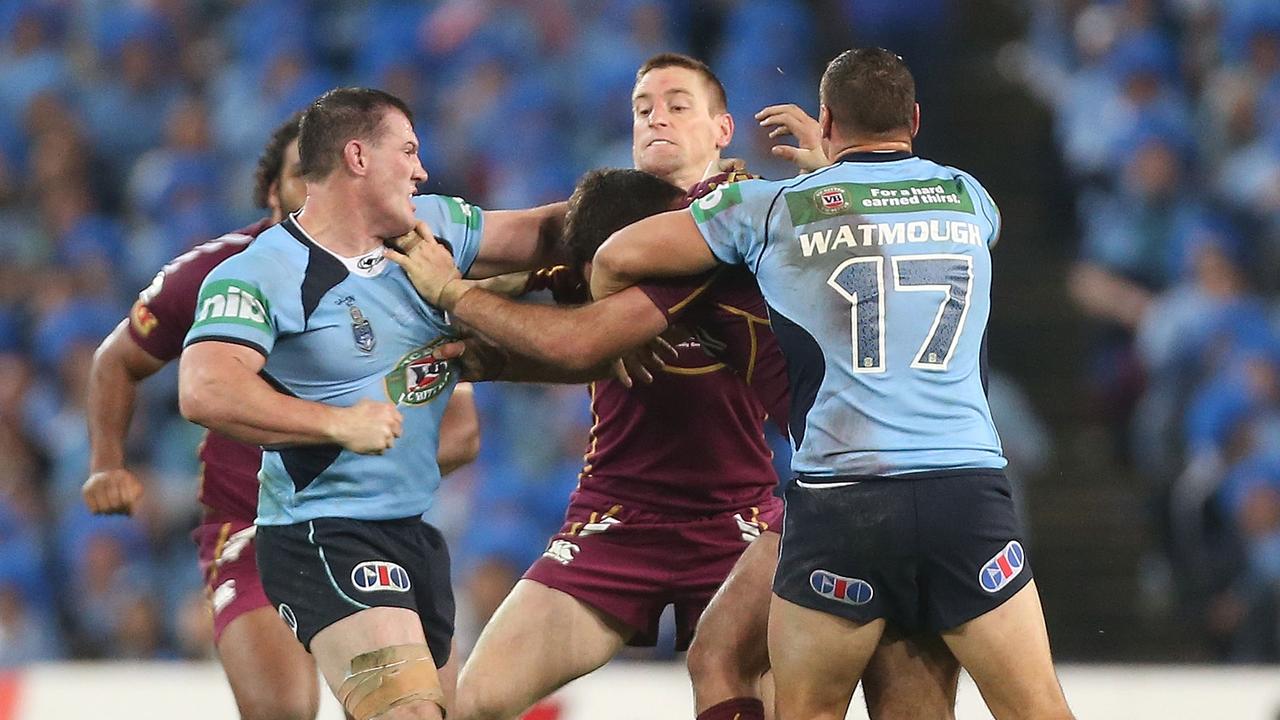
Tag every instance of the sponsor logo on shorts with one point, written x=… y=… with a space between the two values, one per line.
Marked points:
x=1003 y=567
x=375 y=575
x=223 y=596
x=838 y=587
x=562 y=551
x=286 y=614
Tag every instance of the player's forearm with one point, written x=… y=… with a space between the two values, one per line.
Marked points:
x=118 y=366
x=111 y=398
x=459 y=431
x=664 y=245
x=576 y=339
x=243 y=406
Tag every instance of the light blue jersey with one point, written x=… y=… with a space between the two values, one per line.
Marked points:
x=877 y=273
x=338 y=330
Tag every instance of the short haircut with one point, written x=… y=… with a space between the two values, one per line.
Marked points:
x=336 y=118
x=869 y=91
x=719 y=101
x=605 y=201
x=271 y=161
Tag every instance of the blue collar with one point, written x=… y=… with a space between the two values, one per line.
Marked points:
x=873 y=156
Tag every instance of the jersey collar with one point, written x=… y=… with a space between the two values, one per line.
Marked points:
x=874 y=156
x=370 y=264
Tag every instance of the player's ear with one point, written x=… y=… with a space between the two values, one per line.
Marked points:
x=824 y=121
x=724 y=130
x=915 y=120
x=355 y=157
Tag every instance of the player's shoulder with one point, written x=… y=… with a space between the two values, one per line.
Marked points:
x=447 y=207
x=273 y=258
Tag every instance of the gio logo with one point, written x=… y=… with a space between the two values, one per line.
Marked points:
x=232 y=301
x=375 y=575
x=1003 y=567
x=837 y=587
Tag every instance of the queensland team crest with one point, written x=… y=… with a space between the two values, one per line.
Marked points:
x=362 y=330
x=419 y=376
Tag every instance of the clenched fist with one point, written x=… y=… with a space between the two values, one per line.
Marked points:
x=111 y=492
x=368 y=427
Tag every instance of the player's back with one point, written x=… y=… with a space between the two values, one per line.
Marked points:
x=877 y=272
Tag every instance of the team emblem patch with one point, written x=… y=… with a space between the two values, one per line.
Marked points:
x=1003 y=567
x=144 y=321
x=831 y=200
x=837 y=587
x=362 y=330
x=374 y=575
x=419 y=376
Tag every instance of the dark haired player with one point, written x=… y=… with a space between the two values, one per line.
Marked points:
x=269 y=673
x=877 y=271
x=310 y=344
x=683 y=427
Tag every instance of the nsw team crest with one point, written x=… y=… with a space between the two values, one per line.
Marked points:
x=419 y=376
x=361 y=330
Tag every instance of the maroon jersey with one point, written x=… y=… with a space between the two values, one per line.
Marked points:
x=692 y=443
x=159 y=322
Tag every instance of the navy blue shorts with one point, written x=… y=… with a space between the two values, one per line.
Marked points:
x=927 y=552
x=319 y=572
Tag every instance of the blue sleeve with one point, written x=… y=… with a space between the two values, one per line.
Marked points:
x=455 y=221
x=732 y=220
x=234 y=305
x=986 y=206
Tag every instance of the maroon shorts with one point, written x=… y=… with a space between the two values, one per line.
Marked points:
x=230 y=567
x=632 y=564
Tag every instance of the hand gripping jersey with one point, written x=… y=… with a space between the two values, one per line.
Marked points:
x=158 y=323
x=337 y=331
x=877 y=273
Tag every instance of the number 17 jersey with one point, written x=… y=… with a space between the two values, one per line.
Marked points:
x=877 y=274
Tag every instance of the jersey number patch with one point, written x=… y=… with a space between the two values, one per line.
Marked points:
x=861 y=281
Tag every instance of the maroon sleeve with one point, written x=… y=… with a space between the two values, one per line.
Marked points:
x=674 y=296
x=164 y=311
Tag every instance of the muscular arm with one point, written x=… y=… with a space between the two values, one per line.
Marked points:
x=459 y=431
x=219 y=387
x=577 y=339
x=119 y=365
x=517 y=240
x=664 y=245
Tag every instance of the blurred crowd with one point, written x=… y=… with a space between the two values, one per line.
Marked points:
x=1167 y=115
x=129 y=130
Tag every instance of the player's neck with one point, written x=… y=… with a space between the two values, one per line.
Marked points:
x=869 y=145
x=338 y=225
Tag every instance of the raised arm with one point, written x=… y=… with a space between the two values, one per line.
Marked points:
x=516 y=240
x=119 y=365
x=665 y=245
x=219 y=387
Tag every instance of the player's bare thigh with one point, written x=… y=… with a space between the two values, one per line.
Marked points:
x=818 y=659
x=730 y=650
x=911 y=677
x=369 y=630
x=538 y=640
x=271 y=675
x=1006 y=651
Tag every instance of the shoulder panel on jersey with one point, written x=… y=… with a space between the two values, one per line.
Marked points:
x=781 y=190
x=322 y=273
x=806 y=369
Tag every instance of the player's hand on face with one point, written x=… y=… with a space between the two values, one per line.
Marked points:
x=789 y=119
x=428 y=264
x=641 y=363
x=112 y=492
x=369 y=427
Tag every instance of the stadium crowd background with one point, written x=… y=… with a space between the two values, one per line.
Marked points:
x=129 y=131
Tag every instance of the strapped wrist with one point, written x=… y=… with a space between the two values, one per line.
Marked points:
x=451 y=292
